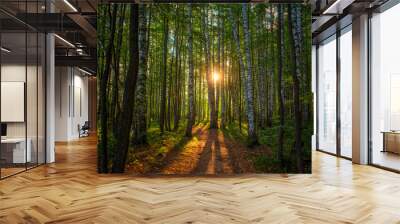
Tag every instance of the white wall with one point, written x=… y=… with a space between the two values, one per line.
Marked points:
x=80 y=112
x=71 y=102
x=62 y=82
x=14 y=72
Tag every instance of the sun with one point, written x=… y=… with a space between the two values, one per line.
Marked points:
x=215 y=76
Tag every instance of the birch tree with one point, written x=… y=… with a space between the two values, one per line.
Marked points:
x=248 y=85
x=141 y=96
x=210 y=81
x=296 y=30
x=190 y=116
x=164 y=76
x=280 y=41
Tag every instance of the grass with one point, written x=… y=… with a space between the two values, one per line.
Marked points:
x=233 y=131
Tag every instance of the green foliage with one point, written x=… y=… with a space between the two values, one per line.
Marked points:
x=233 y=131
x=266 y=164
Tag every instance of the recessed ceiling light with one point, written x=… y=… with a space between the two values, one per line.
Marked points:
x=70 y=5
x=84 y=71
x=5 y=50
x=337 y=7
x=64 y=40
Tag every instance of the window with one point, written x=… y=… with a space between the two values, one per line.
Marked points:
x=327 y=95
x=385 y=89
x=346 y=92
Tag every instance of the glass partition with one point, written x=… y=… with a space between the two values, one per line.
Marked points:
x=13 y=108
x=327 y=95
x=22 y=78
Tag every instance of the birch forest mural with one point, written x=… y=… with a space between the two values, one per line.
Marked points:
x=204 y=89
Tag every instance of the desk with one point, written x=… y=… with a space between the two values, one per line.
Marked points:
x=15 y=148
x=391 y=141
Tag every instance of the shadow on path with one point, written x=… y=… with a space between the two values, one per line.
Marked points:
x=208 y=152
x=173 y=154
x=206 y=155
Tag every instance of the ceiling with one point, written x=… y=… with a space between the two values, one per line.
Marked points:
x=73 y=22
x=329 y=15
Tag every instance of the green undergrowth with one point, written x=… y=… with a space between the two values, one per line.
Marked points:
x=269 y=163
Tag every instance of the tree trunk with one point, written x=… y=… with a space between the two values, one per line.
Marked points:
x=178 y=60
x=141 y=96
x=271 y=71
x=115 y=80
x=217 y=66
x=190 y=116
x=222 y=74
x=125 y=118
x=251 y=126
x=164 y=78
x=294 y=15
x=262 y=97
x=103 y=143
x=280 y=89
x=170 y=98
x=241 y=76
x=210 y=81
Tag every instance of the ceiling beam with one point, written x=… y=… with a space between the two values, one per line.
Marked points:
x=337 y=7
x=89 y=30
x=81 y=61
x=49 y=22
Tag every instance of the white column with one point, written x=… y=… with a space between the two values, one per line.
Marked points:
x=50 y=100
x=360 y=90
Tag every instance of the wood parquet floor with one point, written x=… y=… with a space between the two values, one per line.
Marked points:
x=70 y=191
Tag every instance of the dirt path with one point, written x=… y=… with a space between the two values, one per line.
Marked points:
x=208 y=152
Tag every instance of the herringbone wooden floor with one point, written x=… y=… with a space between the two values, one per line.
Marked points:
x=70 y=191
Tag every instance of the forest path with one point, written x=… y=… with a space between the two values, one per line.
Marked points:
x=208 y=152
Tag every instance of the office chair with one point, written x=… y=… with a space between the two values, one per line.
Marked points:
x=84 y=130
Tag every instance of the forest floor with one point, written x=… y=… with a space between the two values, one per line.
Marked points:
x=207 y=152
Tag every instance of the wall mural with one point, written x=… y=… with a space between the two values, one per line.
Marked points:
x=204 y=89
